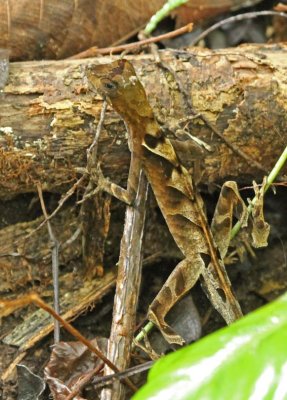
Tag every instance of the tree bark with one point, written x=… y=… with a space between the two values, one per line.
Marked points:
x=48 y=116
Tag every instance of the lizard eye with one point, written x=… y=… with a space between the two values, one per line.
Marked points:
x=110 y=85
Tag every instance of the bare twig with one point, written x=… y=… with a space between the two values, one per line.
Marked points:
x=93 y=149
x=55 y=265
x=232 y=146
x=92 y=159
x=84 y=381
x=235 y=18
x=93 y=51
x=67 y=195
x=127 y=290
x=94 y=214
x=100 y=381
x=210 y=125
x=34 y=298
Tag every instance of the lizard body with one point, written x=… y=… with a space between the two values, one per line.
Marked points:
x=178 y=200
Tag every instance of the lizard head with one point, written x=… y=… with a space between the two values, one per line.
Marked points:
x=118 y=83
x=110 y=79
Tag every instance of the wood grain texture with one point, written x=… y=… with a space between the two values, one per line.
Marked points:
x=48 y=118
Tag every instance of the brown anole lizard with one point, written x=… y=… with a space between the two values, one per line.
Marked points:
x=180 y=204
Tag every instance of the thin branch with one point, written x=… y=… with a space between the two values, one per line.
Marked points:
x=128 y=286
x=92 y=160
x=93 y=149
x=210 y=125
x=94 y=215
x=101 y=381
x=93 y=51
x=55 y=265
x=34 y=298
x=232 y=146
x=67 y=195
x=84 y=381
x=235 y=18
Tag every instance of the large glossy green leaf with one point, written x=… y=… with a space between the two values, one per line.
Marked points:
x=245 y=361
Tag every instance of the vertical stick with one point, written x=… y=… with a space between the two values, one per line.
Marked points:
x=55 y=265
x=127 y=289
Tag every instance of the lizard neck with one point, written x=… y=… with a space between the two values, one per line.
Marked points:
x=143 y=129
x=141 y=123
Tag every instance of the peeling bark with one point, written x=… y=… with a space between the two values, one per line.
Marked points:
x=48 y=117
x=25 y=259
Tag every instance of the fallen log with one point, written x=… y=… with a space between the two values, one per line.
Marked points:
x=48 y=117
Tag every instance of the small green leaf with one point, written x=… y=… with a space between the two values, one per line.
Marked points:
x=245 y=361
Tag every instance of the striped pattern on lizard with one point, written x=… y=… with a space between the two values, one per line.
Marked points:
x=180 y=204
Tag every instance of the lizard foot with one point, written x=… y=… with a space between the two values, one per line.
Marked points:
x=168 y=333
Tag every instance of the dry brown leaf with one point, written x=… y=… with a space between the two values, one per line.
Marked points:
x=260 y=228
x=54 y=29
x=229 y=204
x=199 y=10
x=69 y=363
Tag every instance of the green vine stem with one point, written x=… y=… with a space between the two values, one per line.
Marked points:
x=161 y=14
x=270 y=179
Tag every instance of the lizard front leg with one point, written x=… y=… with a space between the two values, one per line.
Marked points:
x=180 y=281
x=125 y=195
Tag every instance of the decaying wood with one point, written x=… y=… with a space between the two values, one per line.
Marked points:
x=23 y=263
x=47 y=117
x=29 y=260
x=95 y=221
x=39 y=323
x=25 y=257
x=36 y=299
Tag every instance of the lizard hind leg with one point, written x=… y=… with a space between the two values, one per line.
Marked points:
x=180 y=281
x=227 y=306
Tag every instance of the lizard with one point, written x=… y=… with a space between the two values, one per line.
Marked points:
x=175 y=193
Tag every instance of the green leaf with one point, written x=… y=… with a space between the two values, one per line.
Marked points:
x=244 y=361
